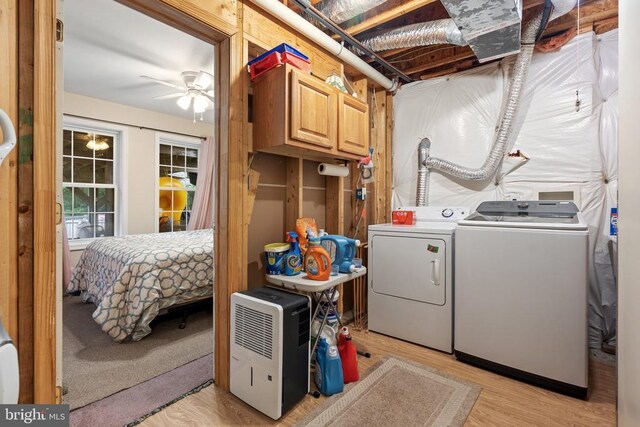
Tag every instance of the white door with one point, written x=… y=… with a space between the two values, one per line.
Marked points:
x=409 y=267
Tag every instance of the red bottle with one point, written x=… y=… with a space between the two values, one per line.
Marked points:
x=348 y=356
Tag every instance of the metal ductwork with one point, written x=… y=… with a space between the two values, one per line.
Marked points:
x=491 y=27
x=422 y=190
x=514 y=94
x=340 y=11
x=516 y=85
x=442 y=31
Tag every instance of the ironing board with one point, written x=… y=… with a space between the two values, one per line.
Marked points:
x=326 y=289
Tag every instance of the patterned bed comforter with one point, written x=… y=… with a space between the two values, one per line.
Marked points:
x=131 y=278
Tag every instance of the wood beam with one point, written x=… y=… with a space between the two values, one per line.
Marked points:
x=25 y=200
x=386 y=12
x=44 y=179
x=463 y=53
x=334 y=216
x=293 y=192
x=589 y=13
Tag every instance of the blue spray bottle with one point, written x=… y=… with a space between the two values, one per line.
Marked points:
x=293 y=260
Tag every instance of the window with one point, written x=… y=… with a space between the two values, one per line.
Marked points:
x=89 y=182
x=177 y=176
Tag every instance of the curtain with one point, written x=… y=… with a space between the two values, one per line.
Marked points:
x=203 y=204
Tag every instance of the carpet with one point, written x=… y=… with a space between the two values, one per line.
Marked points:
x=132 y=405
x=94 y=366
x=398 y=392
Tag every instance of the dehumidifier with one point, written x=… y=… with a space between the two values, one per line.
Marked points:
x=270 y=349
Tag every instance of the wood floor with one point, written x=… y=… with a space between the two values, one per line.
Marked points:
x=502 y=402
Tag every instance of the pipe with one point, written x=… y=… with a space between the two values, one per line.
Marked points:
x=297 y=22
x=423 y=173
x=516 y=84
x=342 y=10
x=442 y=31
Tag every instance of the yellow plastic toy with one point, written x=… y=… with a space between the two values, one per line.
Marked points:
x=172 y=206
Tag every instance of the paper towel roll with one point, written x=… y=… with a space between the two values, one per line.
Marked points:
x=332 y=170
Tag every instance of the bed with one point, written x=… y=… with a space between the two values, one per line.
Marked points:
x=131 y=278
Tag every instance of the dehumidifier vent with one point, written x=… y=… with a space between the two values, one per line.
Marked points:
x=254 y=330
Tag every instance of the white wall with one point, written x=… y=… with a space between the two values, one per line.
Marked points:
x=139 y=155
x=569 y=149
x=629 y=219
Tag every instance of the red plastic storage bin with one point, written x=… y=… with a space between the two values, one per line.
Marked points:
x=275 y=59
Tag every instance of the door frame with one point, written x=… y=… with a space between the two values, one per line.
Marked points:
x=230 y=232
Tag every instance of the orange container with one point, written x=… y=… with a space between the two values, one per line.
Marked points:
x=403 y=217
x=317 y=262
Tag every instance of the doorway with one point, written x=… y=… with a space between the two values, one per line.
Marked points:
x=124 y=143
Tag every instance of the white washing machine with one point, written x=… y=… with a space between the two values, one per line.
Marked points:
x=410 y=275
x=521 y=292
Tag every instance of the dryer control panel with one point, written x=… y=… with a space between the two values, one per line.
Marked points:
x=439 y=213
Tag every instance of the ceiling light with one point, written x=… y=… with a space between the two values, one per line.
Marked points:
x=97 y=145
x=200 y=104
x=184 y=102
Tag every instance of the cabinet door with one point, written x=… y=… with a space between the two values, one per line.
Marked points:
x=313 y=111
x=353 y=128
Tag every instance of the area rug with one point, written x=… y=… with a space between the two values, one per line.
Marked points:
x=94 y=366
x=130 y=406
x=399 y=392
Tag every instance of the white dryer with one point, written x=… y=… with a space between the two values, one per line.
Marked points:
x=410 y=275
x=521 y=292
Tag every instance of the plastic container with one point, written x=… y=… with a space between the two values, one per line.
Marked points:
x=275 y=59
x=274 y=257
x=281 y=48
x=348 y=356
x=342 y=250
x=293 y=259
x=328 y=372
x=317 y=262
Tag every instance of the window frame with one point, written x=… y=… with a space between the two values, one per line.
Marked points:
x=120 y=135
x=165 y=138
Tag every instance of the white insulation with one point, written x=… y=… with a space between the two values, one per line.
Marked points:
x=569 y=150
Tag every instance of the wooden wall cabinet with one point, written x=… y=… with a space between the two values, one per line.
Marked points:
x=298 y=115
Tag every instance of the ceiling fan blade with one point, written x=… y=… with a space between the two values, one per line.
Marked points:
x=203 y=80
x=162 y=82
x=169 y=96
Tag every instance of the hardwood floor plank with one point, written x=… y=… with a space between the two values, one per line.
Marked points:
x=502 y=402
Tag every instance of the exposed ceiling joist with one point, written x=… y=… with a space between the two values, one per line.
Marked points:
x=589 y=13
x=386 y=12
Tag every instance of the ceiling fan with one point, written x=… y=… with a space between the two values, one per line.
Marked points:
x=196 y=91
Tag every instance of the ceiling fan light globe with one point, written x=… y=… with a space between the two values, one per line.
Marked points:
x=200 y=103
x=184 y=102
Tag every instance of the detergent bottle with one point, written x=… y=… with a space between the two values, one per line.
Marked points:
x=328 y=372
x=348 y=356
x=293 y=261
x=317 y=262
x=342 y=250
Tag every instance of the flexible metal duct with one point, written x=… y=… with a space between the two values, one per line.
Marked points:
x=343 y=10
x=422 y=191
x=510 y=113
x=442 y=31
